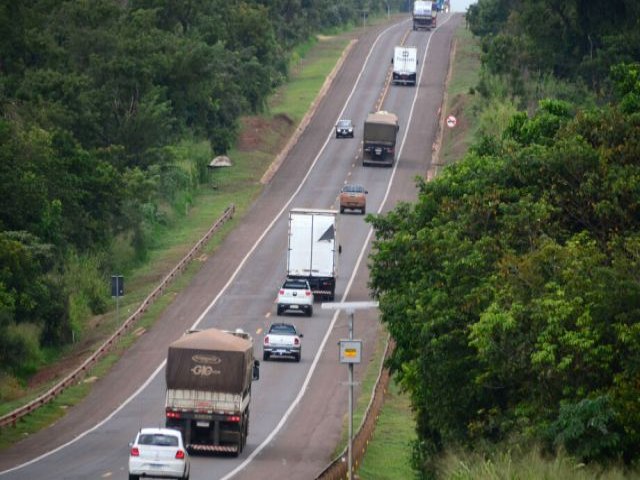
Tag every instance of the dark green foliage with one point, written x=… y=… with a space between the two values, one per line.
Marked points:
x=587 y=429
x=573 y=39
x=511 y=287
x=93 y=97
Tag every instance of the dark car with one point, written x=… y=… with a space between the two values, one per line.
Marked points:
x=344 y=129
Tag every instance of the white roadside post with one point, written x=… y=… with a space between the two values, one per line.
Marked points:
x=350 y=353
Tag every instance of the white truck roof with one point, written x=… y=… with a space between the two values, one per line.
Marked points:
x=421 y=7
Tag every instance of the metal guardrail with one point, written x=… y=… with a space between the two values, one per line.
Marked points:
x=13 y=417
x=337 y=469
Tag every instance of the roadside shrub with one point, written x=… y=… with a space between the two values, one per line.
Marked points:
x=587 y=429
x=20 y=349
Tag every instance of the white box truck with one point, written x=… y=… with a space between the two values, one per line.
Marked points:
x=313 y=249
x=405 y=65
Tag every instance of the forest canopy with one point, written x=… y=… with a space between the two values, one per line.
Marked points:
x=511 y=285
x=95 y=95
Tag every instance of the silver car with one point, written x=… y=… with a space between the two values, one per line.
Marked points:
x=159 y=453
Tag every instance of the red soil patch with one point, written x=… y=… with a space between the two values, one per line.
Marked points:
x=255 y=131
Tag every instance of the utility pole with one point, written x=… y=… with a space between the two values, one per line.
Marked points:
x=350 y=353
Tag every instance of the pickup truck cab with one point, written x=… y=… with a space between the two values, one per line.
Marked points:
x=282 y=340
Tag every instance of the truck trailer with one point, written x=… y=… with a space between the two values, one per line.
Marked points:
x=405 y=65
x=424 y=15
x=313 y=250
x=208 y=377
x=379 y=138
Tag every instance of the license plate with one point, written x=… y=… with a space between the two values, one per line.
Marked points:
x=294 y=307
x=202 y=424
x=156 y=466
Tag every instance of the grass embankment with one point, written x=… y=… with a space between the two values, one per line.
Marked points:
x=238 y=185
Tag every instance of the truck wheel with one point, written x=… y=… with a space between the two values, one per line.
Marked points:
x=279 y=310
x=134 y=477
x=341 y=209
x=363 y=210
x=297 y=356
x=310 y=312
x=265 y=356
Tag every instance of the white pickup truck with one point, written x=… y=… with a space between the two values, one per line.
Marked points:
x=282 y=340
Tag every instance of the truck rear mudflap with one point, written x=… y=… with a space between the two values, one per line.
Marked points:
x=405 y=79
x=323 y=288
x=376 y=154
x=233 y=449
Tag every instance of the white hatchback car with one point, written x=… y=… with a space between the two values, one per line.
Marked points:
x=160 y=453
x=295 y=295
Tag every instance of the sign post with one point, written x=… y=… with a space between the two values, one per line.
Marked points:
x=117 y=290
x=350 y=353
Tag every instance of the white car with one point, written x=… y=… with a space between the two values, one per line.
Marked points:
x=159 y=453
x=295 y=295
x=282 y=339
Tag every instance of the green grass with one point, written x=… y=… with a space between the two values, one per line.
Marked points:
x=388 y=455
x=522 y=465
x=461 y=99
x=310 y=72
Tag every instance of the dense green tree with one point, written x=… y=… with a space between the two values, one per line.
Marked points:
x=572 y=39
x=94 y=94
x=510 y=288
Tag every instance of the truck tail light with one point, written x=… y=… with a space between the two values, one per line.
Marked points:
x=266 y=340
x=180 y=455
x=171 y=414
x=233 y=418
x=307 y=293
x=135 y=452
x=296 y=341
x=281 y=292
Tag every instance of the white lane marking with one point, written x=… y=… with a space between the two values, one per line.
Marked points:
x=95 y=427
x=316 y=359
x=235 y=274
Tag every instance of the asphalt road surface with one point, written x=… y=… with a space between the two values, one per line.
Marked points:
x=298 y=409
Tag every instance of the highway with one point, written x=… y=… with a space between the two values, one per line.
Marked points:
x=298 y=409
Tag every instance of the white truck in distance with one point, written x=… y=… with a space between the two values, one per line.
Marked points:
x=313 y=249
x=424 y=15
x=405 y=65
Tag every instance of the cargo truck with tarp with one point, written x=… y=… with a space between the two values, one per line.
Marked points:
x=379 y=138
x=208 y=377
